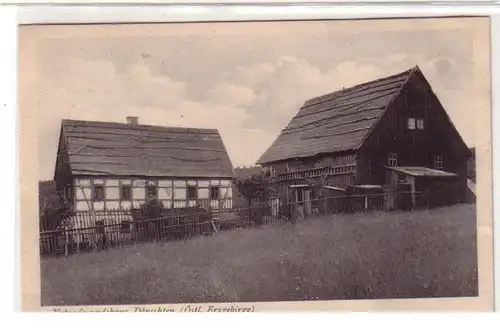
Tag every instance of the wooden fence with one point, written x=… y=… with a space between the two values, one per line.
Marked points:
x=96 y=231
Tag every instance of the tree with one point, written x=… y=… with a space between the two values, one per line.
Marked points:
x=54 y=211
x=54 y=207
x=258 y=185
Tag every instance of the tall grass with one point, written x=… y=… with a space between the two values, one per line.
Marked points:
x=387 y=255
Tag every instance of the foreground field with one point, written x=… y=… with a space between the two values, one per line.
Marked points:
x=390 y=255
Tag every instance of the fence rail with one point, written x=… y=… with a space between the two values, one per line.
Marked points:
x=96 y=231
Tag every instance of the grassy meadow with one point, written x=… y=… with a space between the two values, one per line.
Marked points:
x=381 y=255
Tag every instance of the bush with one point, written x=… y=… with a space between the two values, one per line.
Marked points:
x=54 y=211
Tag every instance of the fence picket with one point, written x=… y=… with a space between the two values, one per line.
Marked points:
x=95 y=231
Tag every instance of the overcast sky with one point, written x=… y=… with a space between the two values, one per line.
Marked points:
x=245 y=79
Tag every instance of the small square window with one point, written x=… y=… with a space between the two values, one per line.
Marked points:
x=411 y=123
x=214 y=192
x=392 y=159
x=126 y=193
x=191 y=192
x=420 y=124
x=98 y=193
x=438 y=162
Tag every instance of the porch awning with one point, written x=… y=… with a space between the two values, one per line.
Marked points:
x=299 y=186
x=421 y=171
x=334 y=188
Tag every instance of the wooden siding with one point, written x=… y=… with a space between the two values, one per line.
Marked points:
x=341 y=169
x=417 y=147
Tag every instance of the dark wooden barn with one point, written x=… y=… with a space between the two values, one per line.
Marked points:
x=370 y=134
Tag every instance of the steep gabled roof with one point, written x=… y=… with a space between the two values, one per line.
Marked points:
x=338 y=121
x=117 y=149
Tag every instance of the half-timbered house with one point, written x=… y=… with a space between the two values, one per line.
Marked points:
x=111 y=166
x=105 y=167
x=381 y=133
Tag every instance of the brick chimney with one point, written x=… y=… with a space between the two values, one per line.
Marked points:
x=132 y=120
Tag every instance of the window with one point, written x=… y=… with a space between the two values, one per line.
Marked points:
x=392 y=159
x=420 y=124
x=151 y=192
x=191 y=192
x=214 y=192
x=411 y=123
x=126 y=193
x=98 y=193
x=438 y=162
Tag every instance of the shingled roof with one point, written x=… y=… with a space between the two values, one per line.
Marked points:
x=337 y=121
x=119 y=149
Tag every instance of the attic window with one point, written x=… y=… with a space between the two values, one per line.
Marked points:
x=438 y=162
x=392 y=159
x=420 y=124
x=411 y=123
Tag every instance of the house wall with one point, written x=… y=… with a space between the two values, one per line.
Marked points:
x=345 y=167
x=171 y=192
x=417 y=147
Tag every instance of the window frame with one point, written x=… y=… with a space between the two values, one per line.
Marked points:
x=438 y=161
x=102 y=191
x=392 y=159
x=420 y=124
x=217 y=190
x=191 y=189
x=413 y=121
x=124 y=187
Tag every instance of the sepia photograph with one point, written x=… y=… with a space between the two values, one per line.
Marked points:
x=256 y=162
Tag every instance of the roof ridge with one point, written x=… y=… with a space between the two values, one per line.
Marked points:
x=309 y=102
x=138 y=126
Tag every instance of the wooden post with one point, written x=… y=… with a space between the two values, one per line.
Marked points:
x=66 y=240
